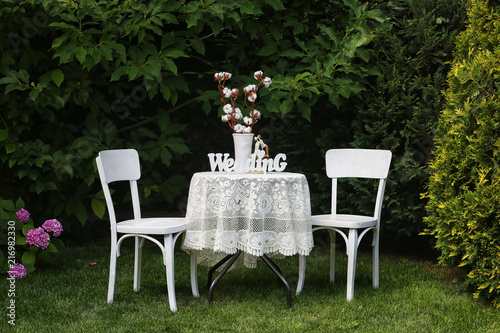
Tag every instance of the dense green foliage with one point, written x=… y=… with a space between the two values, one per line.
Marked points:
x=398 y=111
x=464 y=188
x=79 y=77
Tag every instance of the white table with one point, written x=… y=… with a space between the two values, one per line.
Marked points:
x=259 y=215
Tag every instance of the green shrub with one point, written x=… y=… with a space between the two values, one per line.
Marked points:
x=77 y=77
x=399 y=109
x=80 y=77
x=464 y=187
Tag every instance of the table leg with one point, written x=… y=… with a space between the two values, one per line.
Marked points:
x=221 y=274
x=211 y=284
x=277 y=271
x=217 y=265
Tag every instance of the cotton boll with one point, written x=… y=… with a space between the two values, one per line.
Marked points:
x=228 y=108
x=250 y=88
x=238 y=128
x=237 y=116
x=252 y=97
x=267 y=82
x=227 y=92
x=219 y=76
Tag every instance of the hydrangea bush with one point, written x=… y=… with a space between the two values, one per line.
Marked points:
x=38 y=237
x=232 y=114
x=25 y=242
x=53 y=226
x=17 y=271
x=23 y=215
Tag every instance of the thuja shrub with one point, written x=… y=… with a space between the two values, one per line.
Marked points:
x=464 y=187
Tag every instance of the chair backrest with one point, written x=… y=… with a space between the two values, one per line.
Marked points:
x=119 y=165
x=359 y=163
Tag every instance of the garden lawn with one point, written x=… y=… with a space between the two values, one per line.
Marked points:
x=414 y=296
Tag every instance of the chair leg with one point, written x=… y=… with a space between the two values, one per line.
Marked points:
x=194 y=274
x=302 y=274
x=169 y=264
x=375 y=258
x=112 y=273
x=137 y=264
x=333 y=245
x=351 y=262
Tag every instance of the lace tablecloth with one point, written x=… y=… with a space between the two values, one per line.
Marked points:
x=255 y=213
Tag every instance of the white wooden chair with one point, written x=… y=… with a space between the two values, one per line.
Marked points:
x=124 y=165
x=351 y=163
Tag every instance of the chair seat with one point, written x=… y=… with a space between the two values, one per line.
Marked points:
x=343 y=221
x=155 y=226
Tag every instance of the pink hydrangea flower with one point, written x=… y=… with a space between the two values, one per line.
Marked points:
x=23 y=215
x=38 y=237
x=53 y=226
x=17 y=271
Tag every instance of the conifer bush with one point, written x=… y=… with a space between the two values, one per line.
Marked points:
x=399 y=111
x=464 y=188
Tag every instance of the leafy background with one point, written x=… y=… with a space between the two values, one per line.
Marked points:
x=77 y=77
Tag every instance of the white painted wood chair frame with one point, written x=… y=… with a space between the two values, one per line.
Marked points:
x=123 y=165
x=351 y=163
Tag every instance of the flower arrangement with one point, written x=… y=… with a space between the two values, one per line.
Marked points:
x=37 y=243
x=232 y=114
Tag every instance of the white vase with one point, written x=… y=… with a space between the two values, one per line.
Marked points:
x=243 y=144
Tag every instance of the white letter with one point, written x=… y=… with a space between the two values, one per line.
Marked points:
x=270 y=165
x=277 y=165
x=229 y=164
x=265 y=165
x=217 y=162
x=251 y=163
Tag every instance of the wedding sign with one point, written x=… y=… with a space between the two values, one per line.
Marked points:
x=256 y=163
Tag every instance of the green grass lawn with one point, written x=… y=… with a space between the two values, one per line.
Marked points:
x=414 y=296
